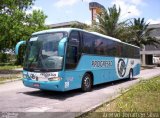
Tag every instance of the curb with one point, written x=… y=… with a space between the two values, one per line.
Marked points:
x=106 y=101
x=12 y=80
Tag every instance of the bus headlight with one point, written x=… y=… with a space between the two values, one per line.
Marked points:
x=25 y=76
x=54 y=79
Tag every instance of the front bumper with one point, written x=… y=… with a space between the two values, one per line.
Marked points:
x=44 y=85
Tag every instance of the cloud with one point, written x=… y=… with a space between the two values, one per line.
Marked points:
x=33 y=8
x=63 y=3
x=87 y=1
x=152 y=21
x=137 y=2
x=88 y=22
x=68 y=11
x=48 y=22
x=128 y=8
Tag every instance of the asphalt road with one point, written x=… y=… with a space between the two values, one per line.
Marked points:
x=14 y=97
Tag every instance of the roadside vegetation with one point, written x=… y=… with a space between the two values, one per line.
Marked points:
x=18 y=24
x=9 y=67
x=143 y=97
x=7 y=73
x=10 y=78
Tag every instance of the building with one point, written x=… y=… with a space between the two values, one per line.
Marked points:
x=64 y=24
x=95 y=9
x=150 y=51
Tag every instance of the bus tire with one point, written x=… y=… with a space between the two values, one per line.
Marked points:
x=86 y=82
x=130 y=74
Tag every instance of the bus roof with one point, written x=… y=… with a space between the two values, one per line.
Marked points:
x=55 y=30
x=70 y=29
x=112 y=38
x=105 y=36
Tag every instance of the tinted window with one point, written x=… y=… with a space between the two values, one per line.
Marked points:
x=72 y=50
x=97 y=45
x=88 y=43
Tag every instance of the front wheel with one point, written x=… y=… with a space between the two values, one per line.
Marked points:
x=87 y=83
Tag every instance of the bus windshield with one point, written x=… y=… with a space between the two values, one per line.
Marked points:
x=42 y=52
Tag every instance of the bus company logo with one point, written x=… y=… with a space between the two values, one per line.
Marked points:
x=45 y=74
x=32 y=76
x=121 y=67
x=102 y=63
x=48 y=74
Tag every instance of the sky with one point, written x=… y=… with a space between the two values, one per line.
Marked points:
x=78 y=10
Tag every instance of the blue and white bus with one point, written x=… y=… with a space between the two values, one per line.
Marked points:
x=69 y=58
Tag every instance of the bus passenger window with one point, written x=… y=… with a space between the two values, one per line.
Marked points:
x=98 y=46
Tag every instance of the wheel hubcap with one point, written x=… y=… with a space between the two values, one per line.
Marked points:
x=87 y=82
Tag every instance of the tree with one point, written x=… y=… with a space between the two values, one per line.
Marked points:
x=16 y=24
x=9 y=6
x=108 y=22
x=135 y=32
x=12 y=13
x=140 y=34
x=33 y=22
x=80 y=26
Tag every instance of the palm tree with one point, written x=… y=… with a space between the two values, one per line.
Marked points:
x=140 y=34
x=108 y=22
x=134 y=32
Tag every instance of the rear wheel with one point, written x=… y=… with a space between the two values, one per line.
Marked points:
x=86 y=82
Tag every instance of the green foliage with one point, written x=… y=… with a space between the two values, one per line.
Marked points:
x=8 y=6
x=135 y=32
x=80 y=26
x=140 y=34
x=143 y=97
x=8 y=67
x=3 y=57
x=108 y=22
x=16 y=25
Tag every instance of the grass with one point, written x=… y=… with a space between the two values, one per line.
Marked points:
x=9 y=67
x=143 y=97
x=7 y=72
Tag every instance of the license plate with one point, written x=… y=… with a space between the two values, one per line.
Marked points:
x=36 y=85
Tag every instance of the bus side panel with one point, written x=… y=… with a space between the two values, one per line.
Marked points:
x=124 y=65
x=104 y=69
x=73 y=79
x=136 y=70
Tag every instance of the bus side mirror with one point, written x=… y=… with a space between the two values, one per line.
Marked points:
x=61 y=47
x=18 y=45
